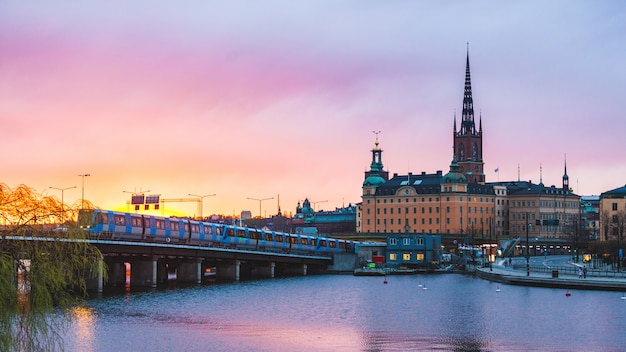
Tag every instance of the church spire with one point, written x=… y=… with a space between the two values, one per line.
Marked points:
x=468 y=141
x=467 y=118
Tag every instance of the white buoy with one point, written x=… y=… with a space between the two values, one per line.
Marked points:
x=498 y=289
x=624 y=297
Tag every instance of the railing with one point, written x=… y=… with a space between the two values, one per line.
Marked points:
x=565 y=270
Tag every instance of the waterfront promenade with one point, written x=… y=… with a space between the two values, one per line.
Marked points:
x=610 y=281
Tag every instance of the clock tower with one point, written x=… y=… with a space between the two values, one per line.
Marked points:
x=468 y=141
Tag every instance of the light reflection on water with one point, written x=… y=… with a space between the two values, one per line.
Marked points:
x=347 y=313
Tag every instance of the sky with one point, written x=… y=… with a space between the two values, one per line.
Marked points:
x=280 y=99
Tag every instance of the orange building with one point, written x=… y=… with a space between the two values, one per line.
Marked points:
x=461 y=203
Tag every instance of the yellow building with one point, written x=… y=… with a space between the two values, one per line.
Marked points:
x=613 y=214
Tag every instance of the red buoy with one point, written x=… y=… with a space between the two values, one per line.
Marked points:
x=567 y=294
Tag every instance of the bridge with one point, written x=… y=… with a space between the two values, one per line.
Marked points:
x=148 y=264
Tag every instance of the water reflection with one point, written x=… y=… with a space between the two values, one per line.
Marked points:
x=346 y=313
x=83 y=327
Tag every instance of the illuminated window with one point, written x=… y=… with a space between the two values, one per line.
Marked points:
x=420 y=256
x=406 y=256
x=393 y=256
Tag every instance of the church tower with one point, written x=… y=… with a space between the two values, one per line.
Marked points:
x=468 y=141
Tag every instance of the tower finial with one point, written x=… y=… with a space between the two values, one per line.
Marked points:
x=376 y=142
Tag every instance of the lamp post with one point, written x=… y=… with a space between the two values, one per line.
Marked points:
x=201 y=200
x=62 y=200
x=260 y=201
x=82 y=202
x=527 y=247
x=315 y=203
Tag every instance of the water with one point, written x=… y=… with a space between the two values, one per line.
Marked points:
x=347 y=313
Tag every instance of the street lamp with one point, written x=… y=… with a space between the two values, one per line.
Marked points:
x=82 y=202
x=527 y=247
x=260 y=201
x=315 y=203
x=201 y=201
x=62 y=199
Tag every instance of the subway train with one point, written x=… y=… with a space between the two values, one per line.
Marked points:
x=107 y=224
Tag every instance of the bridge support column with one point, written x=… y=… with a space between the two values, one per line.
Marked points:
x=265 y=270
x=190 y=272
x=117 y=273
x=296 y=269
x=144 y=273
x=229 y=270
x=95 y=282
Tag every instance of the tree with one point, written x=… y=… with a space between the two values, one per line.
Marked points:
x=43 y=269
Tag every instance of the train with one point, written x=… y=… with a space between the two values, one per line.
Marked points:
x=108 y=224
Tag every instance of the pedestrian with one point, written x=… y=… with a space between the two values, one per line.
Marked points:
x=580 y=273
x=585 y=271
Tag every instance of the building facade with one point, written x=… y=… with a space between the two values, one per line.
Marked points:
x=460 y=203
x=413 y=250
x=613 y=214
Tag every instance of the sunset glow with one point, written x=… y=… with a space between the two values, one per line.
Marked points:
x=280 y=98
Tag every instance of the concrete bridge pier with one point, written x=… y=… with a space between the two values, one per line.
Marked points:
x=95 y=281
x=144 y=273
x=297 y=269
x=267 y=270
x=190 y=272
x=117 y=273
x=229 y=270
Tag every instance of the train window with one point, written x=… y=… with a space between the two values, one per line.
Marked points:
x=146 y=222
x=348 y=245
x=279 y=238
x=120 y=220
x=135 y=222
x=333 y=244
x=160 y=224
x=241 y=233
x=322 y=243
x=342 y=245
x=195 y=228
x=255 y=235
x=186 y=227
x=312 y=241
x=230 y=231
x=268 y=236
x=304 y=241
x=102 y=218
x=293 y=240
x=174 y=226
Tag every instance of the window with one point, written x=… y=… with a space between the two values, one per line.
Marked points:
x=614 y=206
x=406 y=241
x=393 y=241
x=419 y=241
x=393 y=256
x=406 y=256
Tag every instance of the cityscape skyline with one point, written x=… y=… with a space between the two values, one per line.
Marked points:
x=268 y=100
